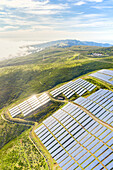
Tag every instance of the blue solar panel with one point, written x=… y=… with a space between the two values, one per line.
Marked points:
x=55 y=127
x=54 y=148
x=105 y=154
x=65 y=161
x=93 y=164
x=68 y=142
x=60 y=133
x=52 y=140
x=71 y=145
x=96 y=147
x=84 y=158
x=77 y=151
x=73 y=166
x=102 y=149
x=42 y=133
x=86 y=138
x=58 y=129
x=78 y=168
x=68 y=164
x=62 y=158
x=65 y=139
x=100 y=131
x=71 y=125
x=96 y=129
x=74 y=148
x=80 y=154
x=110 y=142
x=104 y=134
x=81 y=136
x=59 y=155
x=108 y=137
x=57 y=151
x=88 y=161
x=62 y=136
x=89 y=141
x=92 y=144
x=47 y=136
x=99 y=166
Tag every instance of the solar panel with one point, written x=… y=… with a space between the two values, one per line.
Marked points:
x=59 y=155
x=71 y=145
x=78 y=156
x=104 y=134
x=95 y=148
x=65 y=161
x=56 y=151
x=77 y=151
x=62 y=158
x=87 y=162
x=87 y=155
x=105 y=154
x=74 y=148
x=101 y=150
x=73 y=166
x=51 y=150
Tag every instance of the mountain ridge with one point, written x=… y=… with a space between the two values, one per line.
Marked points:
x=70 y=42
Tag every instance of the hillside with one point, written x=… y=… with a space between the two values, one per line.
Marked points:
x=41 y=71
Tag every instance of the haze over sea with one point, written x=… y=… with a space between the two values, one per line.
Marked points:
x=11 y=49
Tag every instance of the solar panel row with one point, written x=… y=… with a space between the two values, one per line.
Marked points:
x=74 y=139
x=79 y=86
x=30 y=105
x=105 y=75
x=100 y=104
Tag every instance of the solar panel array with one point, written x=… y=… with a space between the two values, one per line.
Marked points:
x=30 y=105
x=78 y=86
x=100 y=104
x=76 y=141
x=104 y=75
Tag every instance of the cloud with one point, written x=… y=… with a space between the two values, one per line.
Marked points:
x=95 y=0
x=80 y=3
x=84 y=1
x=31 y=4
x=22 y=4
x=8 y=28
x=102 y=7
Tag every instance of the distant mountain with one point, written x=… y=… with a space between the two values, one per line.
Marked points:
x=69 y=43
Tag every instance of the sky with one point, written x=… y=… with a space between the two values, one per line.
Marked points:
x=47 y=20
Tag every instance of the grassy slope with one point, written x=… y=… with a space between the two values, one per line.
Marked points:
x=39 y=72
x=9 y=131
x=20 y=154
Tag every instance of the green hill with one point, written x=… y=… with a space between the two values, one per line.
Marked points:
x=22 y=77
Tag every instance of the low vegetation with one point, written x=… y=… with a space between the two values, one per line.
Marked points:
x=9 y=131
x=20 y=154
x=46 y=112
